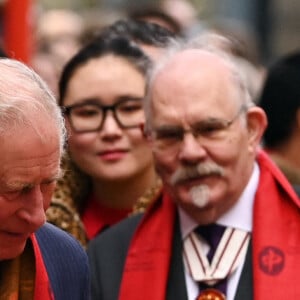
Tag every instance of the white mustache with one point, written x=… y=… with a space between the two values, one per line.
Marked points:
x=201 y=169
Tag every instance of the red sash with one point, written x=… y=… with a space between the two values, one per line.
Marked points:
x=42 y=283
x=276 y=243
x=276 y=236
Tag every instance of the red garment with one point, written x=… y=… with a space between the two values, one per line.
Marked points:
x=42 y=283
x=276 y=243
x=96 y=217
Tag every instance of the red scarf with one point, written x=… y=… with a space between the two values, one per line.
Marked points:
x=97 y=217
x=42 y=283
x=276 y=243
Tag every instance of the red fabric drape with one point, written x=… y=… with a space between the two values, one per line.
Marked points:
x=18 y=29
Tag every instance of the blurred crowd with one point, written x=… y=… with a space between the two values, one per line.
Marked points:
x=61 y=32
x=116 y=163
x=63 y=36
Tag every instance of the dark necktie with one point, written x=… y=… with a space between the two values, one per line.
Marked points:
x=212 y=233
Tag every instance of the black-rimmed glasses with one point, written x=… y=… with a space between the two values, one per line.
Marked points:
x=90 y=116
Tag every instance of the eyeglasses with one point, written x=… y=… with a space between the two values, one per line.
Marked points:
x=89 y=117
x=168 y=139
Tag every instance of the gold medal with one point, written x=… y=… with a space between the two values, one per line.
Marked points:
x=211 y=294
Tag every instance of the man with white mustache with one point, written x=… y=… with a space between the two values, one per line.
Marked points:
x=205 y=133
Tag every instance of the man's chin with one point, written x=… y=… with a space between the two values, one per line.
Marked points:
x=11 y=252
x=200 y=195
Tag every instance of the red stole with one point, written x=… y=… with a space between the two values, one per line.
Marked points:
x=97 y=217
x=276 y=243
x=42 y=283
x=276 y=236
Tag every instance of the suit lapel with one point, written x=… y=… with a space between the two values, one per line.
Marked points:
x=176 y=288
x=245 y=286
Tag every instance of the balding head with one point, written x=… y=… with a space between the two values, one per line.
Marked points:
x=185 y=66
x=190 y=67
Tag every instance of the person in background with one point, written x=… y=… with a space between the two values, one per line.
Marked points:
x=2 y=53
x=154 y=14
x=57 y=34
x=109 y=170
x=280 y=99
x=187 y=14
x=37 y=260
x=48 y=65
x=151 y=37
x=211 y=233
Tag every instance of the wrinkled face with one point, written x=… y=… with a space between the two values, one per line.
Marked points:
x=28 y=173
x=206 y=168
x=112 y=152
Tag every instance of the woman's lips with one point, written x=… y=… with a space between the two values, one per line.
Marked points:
x=111 y=155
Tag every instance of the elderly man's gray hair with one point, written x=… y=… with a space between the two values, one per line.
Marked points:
x=21 y=91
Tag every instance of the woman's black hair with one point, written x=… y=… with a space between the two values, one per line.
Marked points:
x=100 y=46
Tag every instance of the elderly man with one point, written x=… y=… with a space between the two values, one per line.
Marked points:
x=227 y=226
x=37 y=260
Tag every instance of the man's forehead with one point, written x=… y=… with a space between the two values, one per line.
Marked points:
x=193 y=59
x=191 y=68
x=193 y=75
x=192 y=65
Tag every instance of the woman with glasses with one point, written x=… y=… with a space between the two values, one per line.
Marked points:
x=109 y=172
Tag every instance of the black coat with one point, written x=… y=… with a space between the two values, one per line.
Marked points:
x=107 y=254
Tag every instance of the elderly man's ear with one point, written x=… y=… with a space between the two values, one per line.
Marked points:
x=256 y=124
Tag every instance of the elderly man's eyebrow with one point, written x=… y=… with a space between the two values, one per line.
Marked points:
x=17 y=184
x=55 y=177
x=51 y=179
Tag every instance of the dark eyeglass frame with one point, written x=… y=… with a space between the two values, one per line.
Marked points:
x=155 y=135
x=67 y=110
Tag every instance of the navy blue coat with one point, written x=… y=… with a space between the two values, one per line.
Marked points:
x=66 y=263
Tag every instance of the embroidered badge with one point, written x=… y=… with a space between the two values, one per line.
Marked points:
x=211 y=294
x=271 y=260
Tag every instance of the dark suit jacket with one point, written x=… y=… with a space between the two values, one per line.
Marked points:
x=66 y=263
x=297 y=189
x=107 y=254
